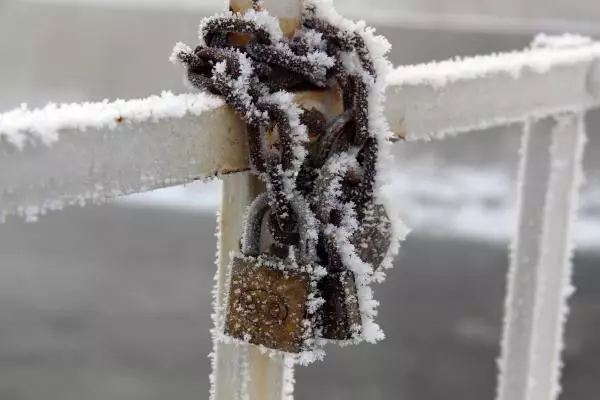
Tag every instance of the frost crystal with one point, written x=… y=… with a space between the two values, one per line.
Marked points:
x=330 y=208
x=22 y=125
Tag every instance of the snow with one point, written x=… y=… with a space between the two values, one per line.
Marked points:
x=546 y=53
x=567 y=40
x=22 y=125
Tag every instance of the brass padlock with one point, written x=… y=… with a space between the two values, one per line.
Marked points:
x=340 y=316
x=269 y=296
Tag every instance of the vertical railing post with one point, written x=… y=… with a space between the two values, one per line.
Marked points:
x=539 y=280
x=242 y=371
x=229 y=379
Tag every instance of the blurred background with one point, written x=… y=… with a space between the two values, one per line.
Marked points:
x=113 y=301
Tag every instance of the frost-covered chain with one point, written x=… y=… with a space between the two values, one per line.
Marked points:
x=328 y=165
x=230 y=73
x=256 y=79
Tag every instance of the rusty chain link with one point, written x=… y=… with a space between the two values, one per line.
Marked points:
x=252 y=74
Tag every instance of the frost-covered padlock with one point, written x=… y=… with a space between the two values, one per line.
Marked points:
x=270 y=297
x=340 y=313
x=338 y=179
x=373 y=237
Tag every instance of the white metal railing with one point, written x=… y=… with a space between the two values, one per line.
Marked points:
x=193 y=136
x=71 y=154
x=539 y=279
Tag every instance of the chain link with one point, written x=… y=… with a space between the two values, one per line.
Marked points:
x=247 y=73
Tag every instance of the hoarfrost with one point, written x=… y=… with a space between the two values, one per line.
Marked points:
x=363 y=64
x=43 y=125
x=179 y=48
x=545 y=53
x=266 y=21
x=378 y=127
x=557 y=42
x=289 y=379
x=539 y=278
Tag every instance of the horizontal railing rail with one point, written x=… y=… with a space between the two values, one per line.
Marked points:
x=71 y=154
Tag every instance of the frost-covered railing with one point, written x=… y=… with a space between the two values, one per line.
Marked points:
x=71 y=154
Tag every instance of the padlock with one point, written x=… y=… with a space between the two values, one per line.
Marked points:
x=372 y=237
x=269 y=297
x=340 y=313
x=340 y=316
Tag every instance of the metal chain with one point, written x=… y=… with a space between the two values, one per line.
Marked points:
x=247 y=72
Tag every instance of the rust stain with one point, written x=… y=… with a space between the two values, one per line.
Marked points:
x=272 y=137
x=239 y=39
x=239 y=6
x=227 y=171
x=119 y=119
x=399 y=131
x=289 y=25
x=328 y=102
x=263 y=385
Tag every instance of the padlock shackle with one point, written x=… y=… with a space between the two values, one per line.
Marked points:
x=307 y=228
